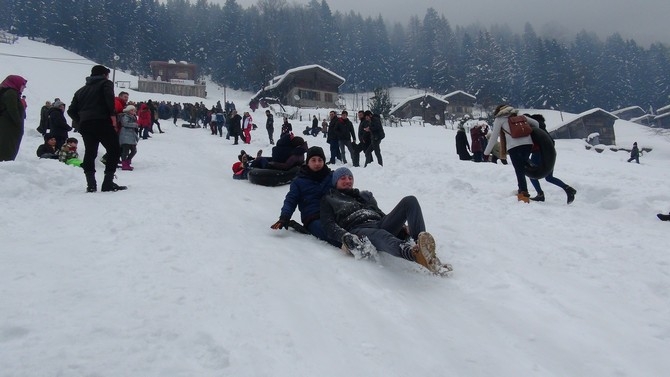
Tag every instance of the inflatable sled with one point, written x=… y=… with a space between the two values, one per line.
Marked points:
x=547 y=155
x=272 y=177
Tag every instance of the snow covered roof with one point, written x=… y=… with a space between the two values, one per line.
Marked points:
x=663 y=109
x=662 y=115
x=581 y=115
x=620 y=111
x=645 y=116
x=277 y=80
x=460 y=92
x=416 y=96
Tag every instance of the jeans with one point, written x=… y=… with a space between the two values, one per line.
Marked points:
x=383 y=233
x=536 y=159
x=519 y=156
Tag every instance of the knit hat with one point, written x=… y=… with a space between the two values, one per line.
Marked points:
x=339 y=173
x=129 y=108
x=99 y=70
x=315 y=151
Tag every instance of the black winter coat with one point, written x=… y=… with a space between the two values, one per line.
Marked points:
x=93 y=101
x=57 y=124
x=343 y=210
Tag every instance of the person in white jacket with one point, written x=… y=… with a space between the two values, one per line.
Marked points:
x=518 y=148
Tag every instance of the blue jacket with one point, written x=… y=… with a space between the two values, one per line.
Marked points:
x=305 y=193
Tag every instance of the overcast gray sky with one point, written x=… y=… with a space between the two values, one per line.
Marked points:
x=645 y=21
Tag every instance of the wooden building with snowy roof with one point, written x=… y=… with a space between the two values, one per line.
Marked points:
x=460 y=103
x=306 y=86
x=430 y=107
x=592 y=121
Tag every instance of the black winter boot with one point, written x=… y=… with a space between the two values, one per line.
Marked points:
x=663 y=217
x=538 y=198
x=571 y=194
x=91 y=184
x=109 y=185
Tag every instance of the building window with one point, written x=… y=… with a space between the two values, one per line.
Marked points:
x=309 y=95
x=328 y=97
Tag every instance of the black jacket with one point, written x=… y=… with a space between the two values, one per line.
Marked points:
x=344 y=130
x=343 y=210
x=57 y=124
x=93 y=101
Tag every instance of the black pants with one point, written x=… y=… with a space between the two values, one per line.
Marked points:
x=374 y=147
x=96 y=132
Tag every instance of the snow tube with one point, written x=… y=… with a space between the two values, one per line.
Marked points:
x=272 y=177
x=547 y=155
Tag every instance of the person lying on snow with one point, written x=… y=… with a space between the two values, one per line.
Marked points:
x=288 y=153
x=311 y=183
x=349 y=215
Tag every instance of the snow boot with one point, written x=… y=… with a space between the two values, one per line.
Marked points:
x=523 y=196
x=663 y=217
x=571 y=194
x=424 y=252
x=109 y=185
x=538 y=198
x=125 y=165
x=91 y=184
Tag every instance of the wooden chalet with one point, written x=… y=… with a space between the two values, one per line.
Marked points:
x=663 y=110
x=430 y=107
x=460 y=103
x=587 y=123
x=307 y=86
x=628 y=113
x=172 y=77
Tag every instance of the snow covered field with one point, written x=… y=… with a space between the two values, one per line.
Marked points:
x=181 y=275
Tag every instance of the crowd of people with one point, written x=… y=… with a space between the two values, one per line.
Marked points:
x=330 y=207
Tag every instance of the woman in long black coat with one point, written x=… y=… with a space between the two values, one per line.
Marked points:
x=462 y=145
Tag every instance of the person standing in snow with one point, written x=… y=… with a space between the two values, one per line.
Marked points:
x=235 y=126
x=57 y=123
x=377 y=134
x=247 y=125
x=128 y=136
x=462 y=145
x=348 y=214
x=634 y=154
x=12 y=116
x=344 y=130
x=92 y=107
x=270 y=126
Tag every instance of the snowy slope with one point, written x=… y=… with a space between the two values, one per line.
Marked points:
x=182 y=276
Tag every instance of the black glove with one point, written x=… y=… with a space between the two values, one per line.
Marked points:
x=351 y=241
x=281 y=223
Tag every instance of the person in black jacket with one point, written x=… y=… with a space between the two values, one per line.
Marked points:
x=348 y=214
x=462 y=145
x=235 y=126
x=345 y=132
x=92 y=108
x=270 y=126
x=57 y=123
x=377 y=133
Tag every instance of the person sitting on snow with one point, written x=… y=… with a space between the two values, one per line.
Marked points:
x=48 y=149
x=68 y=152
x=349 y=214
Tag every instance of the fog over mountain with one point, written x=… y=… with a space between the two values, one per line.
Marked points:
x=645 y=21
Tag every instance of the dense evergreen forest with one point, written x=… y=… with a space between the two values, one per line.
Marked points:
x=245 y=48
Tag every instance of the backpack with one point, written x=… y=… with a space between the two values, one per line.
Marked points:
x=518 y=126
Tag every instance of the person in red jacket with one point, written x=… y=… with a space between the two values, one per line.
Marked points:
x=120 y=102
x=144 y=120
